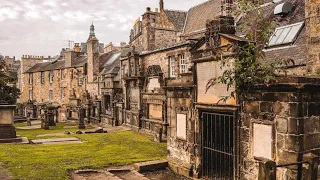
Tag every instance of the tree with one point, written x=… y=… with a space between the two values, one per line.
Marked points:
x=8 y=91
x=248 y=70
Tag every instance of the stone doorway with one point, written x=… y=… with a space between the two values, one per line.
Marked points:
x=218 y=145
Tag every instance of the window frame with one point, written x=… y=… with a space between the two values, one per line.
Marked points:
x=172 y=67
x=62 y=93
x=183 y=64
x=42 y=80
x=80 y=80
x=51 y=77
x=30 y=78
x=30 y=94
x=50 y=95
x=273 y=41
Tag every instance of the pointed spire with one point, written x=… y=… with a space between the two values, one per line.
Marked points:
x=161 y=3
x=92 y=33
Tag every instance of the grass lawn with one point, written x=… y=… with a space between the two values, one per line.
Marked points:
x=99 y=150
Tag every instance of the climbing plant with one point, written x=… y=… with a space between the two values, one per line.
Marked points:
x=249 y=67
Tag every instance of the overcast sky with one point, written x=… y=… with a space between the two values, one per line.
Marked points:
x=42 y=27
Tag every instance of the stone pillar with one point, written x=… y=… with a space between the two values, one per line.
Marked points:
x=81 y=124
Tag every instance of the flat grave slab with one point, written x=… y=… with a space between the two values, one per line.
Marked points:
x=30 y=127
x=56 y=141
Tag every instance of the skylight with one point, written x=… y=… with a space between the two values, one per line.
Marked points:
x=285 y=34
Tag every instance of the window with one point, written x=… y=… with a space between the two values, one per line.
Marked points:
x=182 y=126
x=30 y=78
x=183 y=64
x=42 y=77
x=80 y=80
x=172 y=66
x=62 y=93
x=50 y=95
x=62 y=75
x=51 y=77
x=30 y=95
x=286 y=34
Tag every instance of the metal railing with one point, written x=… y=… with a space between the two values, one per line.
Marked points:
x=268 y=168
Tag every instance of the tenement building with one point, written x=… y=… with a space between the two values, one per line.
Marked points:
x=73 y=75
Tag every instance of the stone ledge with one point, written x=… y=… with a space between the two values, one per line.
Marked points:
x=180 y=167
x=151 y=165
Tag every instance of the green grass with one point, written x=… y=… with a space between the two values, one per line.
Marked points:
x=33 y=162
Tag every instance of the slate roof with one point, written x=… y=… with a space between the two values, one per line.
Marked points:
x=178 y=18
x=60 y=64
x=198 y=15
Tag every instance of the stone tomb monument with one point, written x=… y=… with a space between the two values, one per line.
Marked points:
x=7 y=130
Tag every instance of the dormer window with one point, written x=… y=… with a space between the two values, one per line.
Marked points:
x=286 y=34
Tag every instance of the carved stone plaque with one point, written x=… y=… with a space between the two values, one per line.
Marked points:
x=262 y=141
x=182 y=126
x=6 y=116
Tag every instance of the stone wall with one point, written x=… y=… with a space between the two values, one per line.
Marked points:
x=313 y=31
x=291 y=112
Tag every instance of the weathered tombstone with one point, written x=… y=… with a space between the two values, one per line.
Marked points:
x=158 y=133
x=81 y=119
x=50 y=115
x=7 y=130
x=28 y=122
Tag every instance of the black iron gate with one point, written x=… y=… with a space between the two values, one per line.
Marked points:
x=218 y=145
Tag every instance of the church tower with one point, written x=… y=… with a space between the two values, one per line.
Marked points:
x=93 y=55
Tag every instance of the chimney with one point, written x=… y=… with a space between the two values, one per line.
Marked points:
x=69 y=57
x=123 y=44
x=161 y=5
x=148 y=9
x=77 y=48
x=226 y=7
x=156 y=10
x=109 y=47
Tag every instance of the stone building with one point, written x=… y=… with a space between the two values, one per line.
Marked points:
x=229 y=139
x=75 y=75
